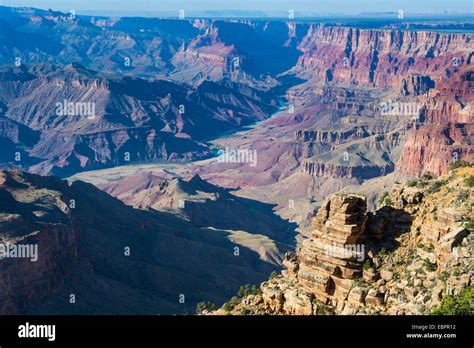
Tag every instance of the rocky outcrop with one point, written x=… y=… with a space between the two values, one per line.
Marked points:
x=444 y=134
x=330 y=137
x=413 y=251
x=342 y=171
x=432 y=148
x=331 y=258
x=416 y=85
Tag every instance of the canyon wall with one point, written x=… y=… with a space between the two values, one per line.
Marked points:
x=404 y=258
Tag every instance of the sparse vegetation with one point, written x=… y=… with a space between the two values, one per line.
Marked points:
x=359 y=282
x=273 y=275
x=320 y=310
x=436 y=186
x=444 y=276
x=383 y=251
x=469 y=225
x=430 y=267
x=423 y=308
x=461 y=196
x=245 y=311
x=427 y=247
x=411 y=183
x=203 y=307
x=458 y=164
x=469 y=181
x=460 y=304
x=230 y=305
x=367 y=265
x=246 y=290
x=385 y=200
x=227 y=306
x=427 y=176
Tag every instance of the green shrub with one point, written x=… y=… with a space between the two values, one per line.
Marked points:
x=227 y=307
x=254 y=290
x=246 y=290
x=385 y=200
x=202 y=307
x=320 y=310
x=469 y=225
x=460 y=304
x=412 y=183
x=273 y=275
x=436 y=186
x=461 y=196
x=458 y=164
x=245 y=311
x=444 y=276
x=469 y=181
x=359 y=282
x=383 y=197
x=427 y=176
x=430 y=267
x=367 y=265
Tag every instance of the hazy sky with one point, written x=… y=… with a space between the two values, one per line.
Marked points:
x=316 y=6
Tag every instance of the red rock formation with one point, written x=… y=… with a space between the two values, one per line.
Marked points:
x=446 y=132
x=380 y=58
x=327 y=264
x=329 y=170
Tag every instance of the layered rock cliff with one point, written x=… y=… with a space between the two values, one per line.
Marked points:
x=112 y=120
x=402 y=259
x=445 y=133
x=341 y=72
x=380 y=58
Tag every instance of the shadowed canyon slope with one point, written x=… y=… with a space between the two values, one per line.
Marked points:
x=115 y=259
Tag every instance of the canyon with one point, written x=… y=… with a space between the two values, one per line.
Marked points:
x=132 y=118
x=100 y=251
